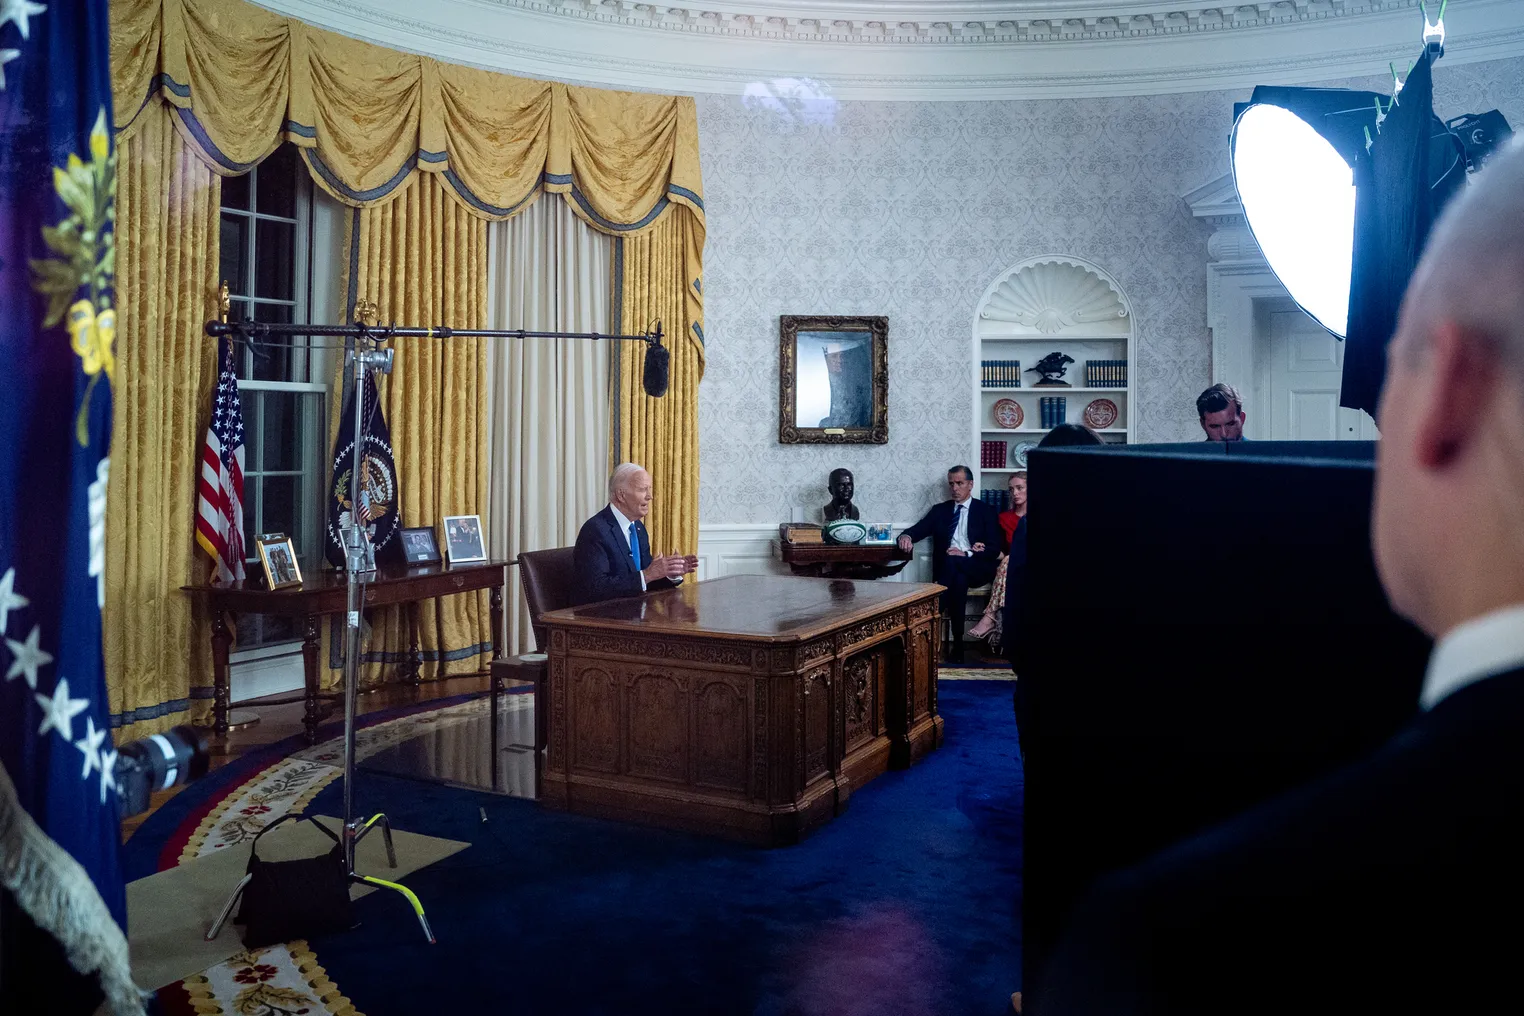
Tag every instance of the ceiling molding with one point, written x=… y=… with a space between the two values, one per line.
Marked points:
x=801 y=53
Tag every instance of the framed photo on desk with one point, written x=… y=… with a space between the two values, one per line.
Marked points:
x=463 y=539
x=278 y=556
x=419 y=545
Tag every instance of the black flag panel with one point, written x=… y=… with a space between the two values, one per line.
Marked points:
x=1401 y=184
x=379 y=500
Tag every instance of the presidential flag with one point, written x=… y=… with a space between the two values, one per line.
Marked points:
x=59 y=828
x=378 y=480
x=219 y=504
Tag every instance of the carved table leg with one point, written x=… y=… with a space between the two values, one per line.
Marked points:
x=310 y=653
x=222 y=639
x=496 y=600
x=412 y=669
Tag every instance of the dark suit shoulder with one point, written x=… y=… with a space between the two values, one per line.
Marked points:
x=1378 y=883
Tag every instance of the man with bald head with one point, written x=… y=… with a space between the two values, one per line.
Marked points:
x=613 y=552
x=1396 y=884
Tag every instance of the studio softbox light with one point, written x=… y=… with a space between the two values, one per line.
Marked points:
x=1340 y=187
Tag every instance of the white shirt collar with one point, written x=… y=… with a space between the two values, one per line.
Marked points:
x=624 y=522
x=1481 y=647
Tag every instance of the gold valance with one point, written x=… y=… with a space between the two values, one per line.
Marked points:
x=242 y=80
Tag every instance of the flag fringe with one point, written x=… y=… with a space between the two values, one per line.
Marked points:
x=58 y=895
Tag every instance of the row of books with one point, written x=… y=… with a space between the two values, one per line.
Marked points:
x=1105 y=373
x=1054 y=410
x=1000 y=373
x=991 y=455
x=997 y=498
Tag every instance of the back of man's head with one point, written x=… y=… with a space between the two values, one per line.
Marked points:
x=1449 y=515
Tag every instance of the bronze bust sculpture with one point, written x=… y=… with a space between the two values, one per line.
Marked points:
x=841 y=506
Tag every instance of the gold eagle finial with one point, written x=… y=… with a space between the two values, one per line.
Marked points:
x=366 y=312
x=224 y=303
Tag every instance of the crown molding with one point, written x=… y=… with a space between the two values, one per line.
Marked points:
x=779 y=52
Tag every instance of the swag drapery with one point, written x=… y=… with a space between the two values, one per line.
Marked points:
x=452 y=147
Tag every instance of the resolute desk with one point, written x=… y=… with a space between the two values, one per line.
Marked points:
x=748 y=707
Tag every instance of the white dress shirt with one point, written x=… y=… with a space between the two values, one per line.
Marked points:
x=624 y=530
x=1481 y=647
x=960 y=535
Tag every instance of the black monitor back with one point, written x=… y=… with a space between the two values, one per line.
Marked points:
x=1203 y=629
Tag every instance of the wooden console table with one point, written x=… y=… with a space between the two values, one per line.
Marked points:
x=749 y=706
x=843 y=561
x=324 y=593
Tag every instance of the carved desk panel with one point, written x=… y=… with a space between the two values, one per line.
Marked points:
x=749 y=707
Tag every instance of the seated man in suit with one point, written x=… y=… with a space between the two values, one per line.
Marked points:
x=1379 y=888
x=613 y=553
x=965 y=540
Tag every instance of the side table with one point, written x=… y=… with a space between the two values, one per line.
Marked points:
x=325 y=592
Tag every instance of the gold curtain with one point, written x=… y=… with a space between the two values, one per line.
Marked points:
x=225 y=82
x=658 y=280
x=423 y=257
x=156 y=647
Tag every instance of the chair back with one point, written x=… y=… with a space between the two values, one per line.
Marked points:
x=547 y=579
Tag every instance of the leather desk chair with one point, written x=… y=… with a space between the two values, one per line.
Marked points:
x=547 y=579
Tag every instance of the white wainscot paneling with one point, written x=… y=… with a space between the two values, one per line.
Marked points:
x=267 y=670
x=752 y=549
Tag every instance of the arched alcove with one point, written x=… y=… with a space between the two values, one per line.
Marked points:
x=1052 y=304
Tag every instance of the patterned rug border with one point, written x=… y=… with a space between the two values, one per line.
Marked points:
x=280 y=778
x=168 y=830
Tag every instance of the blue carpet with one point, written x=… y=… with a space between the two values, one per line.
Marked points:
x=906 y=904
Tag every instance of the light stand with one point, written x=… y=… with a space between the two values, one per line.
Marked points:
x=362 y=346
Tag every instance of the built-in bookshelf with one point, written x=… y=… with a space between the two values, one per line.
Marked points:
x=1038 y=307
x=1043 y=305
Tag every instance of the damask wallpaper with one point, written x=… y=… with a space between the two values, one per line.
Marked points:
x=910 y=210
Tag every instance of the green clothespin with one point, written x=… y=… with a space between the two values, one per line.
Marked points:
x=1368 y=141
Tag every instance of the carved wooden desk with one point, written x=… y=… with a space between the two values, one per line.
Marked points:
x=842 y=561
x=324 y=592
x=748 y=706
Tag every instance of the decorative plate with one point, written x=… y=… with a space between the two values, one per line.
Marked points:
x=1019 y=453
x=1008 y=414
x=845 y=531
x=1100 y=414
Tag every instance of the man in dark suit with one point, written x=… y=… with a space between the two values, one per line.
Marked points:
x=613 y=554
x=965 y=547
x=1396 y=884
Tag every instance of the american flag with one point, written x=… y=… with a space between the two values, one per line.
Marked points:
x=219 y=511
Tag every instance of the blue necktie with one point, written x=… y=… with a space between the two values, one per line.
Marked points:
x=953 y=532
x=634 y=547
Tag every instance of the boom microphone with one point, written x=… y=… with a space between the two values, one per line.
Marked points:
x=658 y=363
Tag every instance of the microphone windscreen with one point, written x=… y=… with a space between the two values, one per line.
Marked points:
x=658 y=362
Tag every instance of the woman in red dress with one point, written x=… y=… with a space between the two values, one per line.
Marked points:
x=989 y=624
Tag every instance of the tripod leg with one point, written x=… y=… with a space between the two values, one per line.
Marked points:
x=227 y=908
x=405 y=891
x=386 y=835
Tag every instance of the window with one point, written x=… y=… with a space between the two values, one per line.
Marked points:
x=266 y=260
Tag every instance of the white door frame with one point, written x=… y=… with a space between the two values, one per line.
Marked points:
x=1239 y=282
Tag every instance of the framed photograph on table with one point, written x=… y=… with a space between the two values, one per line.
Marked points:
x=419 y=545
x=278 y=556
x=880 y=534
x=463 y=539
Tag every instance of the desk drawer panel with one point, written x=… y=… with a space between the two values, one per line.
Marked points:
x=721 y=735
x=659 y=723
x=594 y=701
